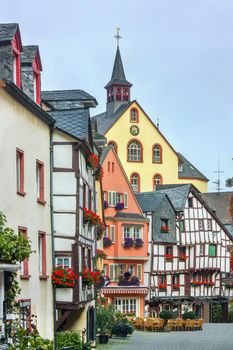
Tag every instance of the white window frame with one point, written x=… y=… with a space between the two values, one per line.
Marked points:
x=126 y=305
x=113 y=272
x=134 y=152
x=131 y=231
x=63 y=258
x=112 y=198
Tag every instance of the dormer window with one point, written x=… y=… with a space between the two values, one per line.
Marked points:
x=180 y=167
x=16 y=61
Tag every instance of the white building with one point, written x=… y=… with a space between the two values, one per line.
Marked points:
x=190 y=252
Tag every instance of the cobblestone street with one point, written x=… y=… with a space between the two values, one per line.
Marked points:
x=213 y=337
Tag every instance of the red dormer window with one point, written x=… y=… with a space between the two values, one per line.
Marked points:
x=16 y=59
x=36 y=67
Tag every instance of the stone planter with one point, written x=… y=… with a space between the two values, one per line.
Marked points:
x=64 y=294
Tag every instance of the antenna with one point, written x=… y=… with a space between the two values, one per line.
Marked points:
x=218 y=181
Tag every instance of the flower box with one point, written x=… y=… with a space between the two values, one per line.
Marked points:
x=176 y=286
x=182 y=257
x=63 y=277
x=119 y=206
x=107 y=242
x=162 y=286
x=91 y=218
x=164 y=229
x=90 y=277
x=92 y=161
x=196 y=283
x=138 y=243
x=128 y=243
x=64 y=294
x=169 y=257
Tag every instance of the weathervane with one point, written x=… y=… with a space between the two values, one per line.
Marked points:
x=117 y=36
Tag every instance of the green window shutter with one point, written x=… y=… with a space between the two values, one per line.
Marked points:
x=212 y=250
x=181 y=225
x=126 y=199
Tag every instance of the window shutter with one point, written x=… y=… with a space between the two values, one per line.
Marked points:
x=112 y=233
x=139 y=271
x=126 y=199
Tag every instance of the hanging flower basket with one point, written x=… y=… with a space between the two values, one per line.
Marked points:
x=63 y=277
x=107 y=242
x=90 y=278
x=164 y=229
x=128 y=242
x=100 y=231
x=92 y=161
x=138 y=243
x=91 y=218
x=100 y=254
x=119 y=206
x=99 y=173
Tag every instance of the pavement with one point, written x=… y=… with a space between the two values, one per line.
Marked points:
x=213 y=337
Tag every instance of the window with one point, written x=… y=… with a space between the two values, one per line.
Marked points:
x=137 y=232
x=126 y=200
x=25 y=313
x=180 y=166
x=182 y=251
x=201 y=224
x=157 y=180
x=105 y=269
x=134 y=115
x=212 y=250
x=181 y=225
x=162 y=279
x=112 y=167
x=134 y=152
x=24 y=270
x=109 y=165
x=16 y=61
x=175 y=279
x=112 y=233
x=135 y=182
x=40 y=181
x=42 y=254
x=157 y=154
x=209 y=225
x=113 y=272
x=139 y=271
x=168 y=250
x=164 y=225
x=119 y=197
x=84 y=195
x=190 y=202
x=127 y=232
x=113 y=145
x=112 y=198
x=90 y=199
x=202 y=249
x=133 y=232
x=64 y=261
x=20 y=172
x=126 y=305
x=131 y=269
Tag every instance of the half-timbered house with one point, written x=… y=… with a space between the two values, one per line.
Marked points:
x=190 y=248
x=126 y=240
x=73 y=191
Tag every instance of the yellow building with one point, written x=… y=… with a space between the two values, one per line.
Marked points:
x=146 y=155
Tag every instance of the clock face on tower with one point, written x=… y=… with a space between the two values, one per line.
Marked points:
x=134 y=130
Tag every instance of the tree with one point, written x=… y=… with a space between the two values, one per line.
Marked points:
x=229 y=182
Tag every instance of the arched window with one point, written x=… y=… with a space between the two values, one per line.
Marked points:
x=157 y=154
x=134 y=115
x=135 y=182
x=113 y=145
x=157 y=180
x=134 y=151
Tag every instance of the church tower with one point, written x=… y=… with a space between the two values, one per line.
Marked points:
x=118 y=88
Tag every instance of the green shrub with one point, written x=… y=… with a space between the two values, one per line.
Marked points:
x=105 y=318
x=67 y=338
x=216 y=313
x=23 y=340
x=189 y=315
x=166 y=315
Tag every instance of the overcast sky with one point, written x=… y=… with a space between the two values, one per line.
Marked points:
x=178 y=54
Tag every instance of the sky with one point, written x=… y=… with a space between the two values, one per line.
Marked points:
x=178 y=54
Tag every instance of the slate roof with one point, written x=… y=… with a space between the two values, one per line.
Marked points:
x=7 y=31
x=129 y=215
x=177 y=195
x=189 y=170
x=28 y=54
x=73 y=121
x=104 y=123
x=150 y=201
x=104 y=153
x=66 y=95
x=118 y=74
x=220 y=201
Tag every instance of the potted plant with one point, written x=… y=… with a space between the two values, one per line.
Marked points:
x=182 y=257
x=128 y=242
x=92 y=161
x=122 y=325
x=162 y=286
x=104 y=321
x=107 y=242
x=119 y=206
x=90 y=277
x=91 y=218
x=188 y=315
x=168 y=256
x=166 y=315
x=138 y=243
x=176 y=286
x=164 y=229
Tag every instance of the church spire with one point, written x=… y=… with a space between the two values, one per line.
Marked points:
x=118 y=88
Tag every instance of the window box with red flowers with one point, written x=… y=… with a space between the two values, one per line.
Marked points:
x=208 y=283
x=100 y=254
x=164 y=229
x=91 y=218
x=168 y=257
x=162 y=286
x=92 y=161
x=63 y=277
x=89 y=278
x=176 y=286
x=182 y=257
x=196 y=283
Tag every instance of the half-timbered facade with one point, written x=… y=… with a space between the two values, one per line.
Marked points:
x=125 y=241
x=190 y=256
x=73 y=190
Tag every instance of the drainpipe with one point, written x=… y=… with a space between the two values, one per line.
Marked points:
x=52 y=229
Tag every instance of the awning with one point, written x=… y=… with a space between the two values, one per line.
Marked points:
x=125 y=290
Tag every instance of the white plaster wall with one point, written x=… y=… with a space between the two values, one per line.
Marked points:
x=62 y=156
x=64 y=224
x=20 y=128
x=64 y=183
